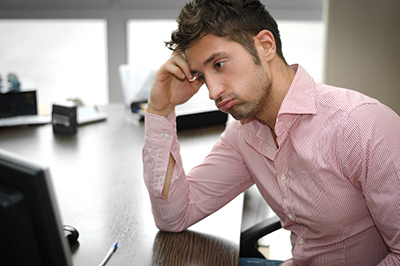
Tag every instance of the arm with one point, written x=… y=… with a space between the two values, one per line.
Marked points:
x=173 y=85
x=206 y=188
x=371 y=156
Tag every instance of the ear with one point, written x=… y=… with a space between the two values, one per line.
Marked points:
x=265 y=41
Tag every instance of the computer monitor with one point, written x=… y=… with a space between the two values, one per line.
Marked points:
x=30 y=228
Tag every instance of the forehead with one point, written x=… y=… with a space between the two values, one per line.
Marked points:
x=199 y=52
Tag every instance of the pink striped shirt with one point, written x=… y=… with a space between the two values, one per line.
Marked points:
x=334 y=180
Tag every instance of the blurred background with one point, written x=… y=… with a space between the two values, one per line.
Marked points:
x=73 y=48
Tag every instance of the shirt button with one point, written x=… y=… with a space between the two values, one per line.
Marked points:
x=301 y=242
x=166 y=135
x=283 y=177
x=291 y=216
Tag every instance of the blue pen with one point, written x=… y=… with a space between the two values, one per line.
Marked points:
x=109 y=253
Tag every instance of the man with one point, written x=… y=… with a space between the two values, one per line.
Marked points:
x=326 y=160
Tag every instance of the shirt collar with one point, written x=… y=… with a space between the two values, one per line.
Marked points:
x=300 y=98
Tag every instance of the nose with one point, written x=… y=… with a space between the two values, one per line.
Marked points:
x=215 y=89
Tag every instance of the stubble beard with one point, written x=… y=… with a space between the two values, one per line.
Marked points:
x=260 y=84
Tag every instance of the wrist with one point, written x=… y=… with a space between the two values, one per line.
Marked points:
x=163 y=112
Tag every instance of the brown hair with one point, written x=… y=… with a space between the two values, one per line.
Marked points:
x=236 y=20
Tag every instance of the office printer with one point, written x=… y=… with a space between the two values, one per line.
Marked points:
x=16 y=99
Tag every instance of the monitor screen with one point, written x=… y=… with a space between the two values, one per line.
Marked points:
x=30 y=228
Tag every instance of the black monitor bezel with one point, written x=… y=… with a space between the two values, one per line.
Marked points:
x=34 y=182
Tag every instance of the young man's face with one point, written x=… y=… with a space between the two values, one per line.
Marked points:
x=236 y=84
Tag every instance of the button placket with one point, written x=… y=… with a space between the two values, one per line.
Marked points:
x=283 y=179
x=174 y=179
x=301 y=241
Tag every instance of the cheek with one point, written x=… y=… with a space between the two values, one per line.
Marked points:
x=257 y=84
x=238 y=78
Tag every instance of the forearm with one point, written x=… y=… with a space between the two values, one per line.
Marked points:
x=168 y=176
x=158 y=162
x=151 y=108
x=169 y=214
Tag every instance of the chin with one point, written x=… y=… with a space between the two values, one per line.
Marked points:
x=239 y=116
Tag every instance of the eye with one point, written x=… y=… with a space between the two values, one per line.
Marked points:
x=201 y=78
x=219 y=65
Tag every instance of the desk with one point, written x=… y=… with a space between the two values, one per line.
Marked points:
x=97 y=177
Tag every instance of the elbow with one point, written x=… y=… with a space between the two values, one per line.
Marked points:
x=169 y=229
x=171 y=226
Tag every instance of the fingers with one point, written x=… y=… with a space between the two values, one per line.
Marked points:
x=178 y=66
x=173 y=85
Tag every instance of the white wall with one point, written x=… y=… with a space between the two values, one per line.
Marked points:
x=363 y=48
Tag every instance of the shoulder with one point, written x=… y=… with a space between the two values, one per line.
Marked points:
x=342 y=99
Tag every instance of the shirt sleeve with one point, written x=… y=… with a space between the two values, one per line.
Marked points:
x=206 y=188
x=371 y=157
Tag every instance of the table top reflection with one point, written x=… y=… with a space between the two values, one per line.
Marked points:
x=97 y=178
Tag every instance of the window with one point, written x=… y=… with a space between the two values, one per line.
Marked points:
x=61 y=58
x=302 y=42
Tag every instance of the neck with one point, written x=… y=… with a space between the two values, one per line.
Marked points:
x=282 y=77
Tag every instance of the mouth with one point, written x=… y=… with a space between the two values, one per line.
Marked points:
x=224 y=106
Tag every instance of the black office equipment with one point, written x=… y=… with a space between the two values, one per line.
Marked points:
x=19 y=101
x=71 y=234
x=203 y=119
x=188 y=119
x=249 y=238
x=64 y=118
x=30 y=228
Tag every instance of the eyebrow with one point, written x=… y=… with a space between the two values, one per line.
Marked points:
x=212 y=57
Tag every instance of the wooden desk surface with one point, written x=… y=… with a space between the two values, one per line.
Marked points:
x=97 y=177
